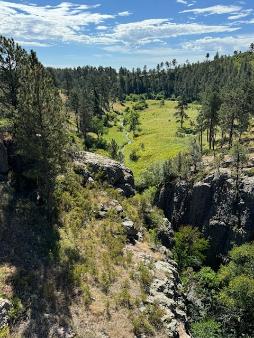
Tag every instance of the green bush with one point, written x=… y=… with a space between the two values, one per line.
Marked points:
x=190 y=247
x=206 y=329
x=134 y=155
x=145 y=276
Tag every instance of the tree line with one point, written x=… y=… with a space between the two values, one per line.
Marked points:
x=168 y=79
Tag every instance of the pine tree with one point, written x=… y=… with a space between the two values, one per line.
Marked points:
x=181 y=113
x=210 y=107
x=12 y=58
x=40 y=133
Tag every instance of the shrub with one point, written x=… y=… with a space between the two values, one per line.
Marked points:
x=190 y=247
x=124 y=297
x=87 y=297
x=145 y=276
x=206 y=329
x=155 y=314
x=152 y=176
x=134 y=155
x=141 y=105
x=141 y=325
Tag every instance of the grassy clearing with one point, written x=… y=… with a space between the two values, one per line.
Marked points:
x=157 y=140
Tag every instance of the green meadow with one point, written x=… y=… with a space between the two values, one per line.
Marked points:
x=158 y=138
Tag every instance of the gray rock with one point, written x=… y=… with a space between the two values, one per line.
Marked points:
x=5 y=306
x=101 y=214
x=166 y=233
x=3 y=159
x=212 y=205
x=119 y=209
x=106 y=169
x=131 y=231
x=63 y=332
x=166 y=292
x=90 y=181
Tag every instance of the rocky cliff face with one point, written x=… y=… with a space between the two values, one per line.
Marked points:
x=3 y=159
x=91 y=165
x=213 y=204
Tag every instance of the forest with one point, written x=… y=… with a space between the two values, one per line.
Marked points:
x=67 y=266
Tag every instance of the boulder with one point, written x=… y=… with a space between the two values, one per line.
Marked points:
x=130 y=230
x=5 y=306
x=3 y=159
x=166 y=233
x=114 y=173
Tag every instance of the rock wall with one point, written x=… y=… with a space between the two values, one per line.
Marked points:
x=213 y=204
x=91 y=165
x=3 y=159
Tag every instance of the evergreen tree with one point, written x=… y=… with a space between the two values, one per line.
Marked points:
x=133 y=121
x=235 y=111
x=12 y=58
x=210 y=109
x=40 y=133
x=181 y=113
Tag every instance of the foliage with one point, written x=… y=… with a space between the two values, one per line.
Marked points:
x=40 y=132
x=237 y=293
x=181 y=114
x=115 y=151
x=206 y=329
x=145 y=276
x=141 y=105
x=134 y=155
x=190 y=247
x=133 y=120
x=141 y=325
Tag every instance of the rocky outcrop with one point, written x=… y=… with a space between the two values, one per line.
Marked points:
x=5 y=306
x=224 y=215
x=165 y=291
x=3 y=159
x=94 y=166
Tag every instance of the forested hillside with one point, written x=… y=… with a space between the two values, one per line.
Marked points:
x=168 y=79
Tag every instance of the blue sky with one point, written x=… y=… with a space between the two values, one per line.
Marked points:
x=132 y=33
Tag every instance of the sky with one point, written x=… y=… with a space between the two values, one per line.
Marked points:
x=130 y=33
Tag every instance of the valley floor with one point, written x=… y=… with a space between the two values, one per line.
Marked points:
x=158 y=138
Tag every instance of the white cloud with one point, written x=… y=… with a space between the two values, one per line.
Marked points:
x=217 y=9
x=140 y=32
x=224 y=44
x=185 y=2
x=126 y=13
x=33 y=43
x=68 y=22
x=241 y=14
x=64 y=22
x=101 y=28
